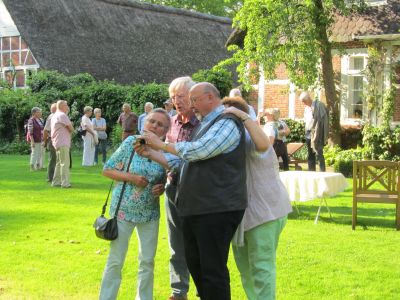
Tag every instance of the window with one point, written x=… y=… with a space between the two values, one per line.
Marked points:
x=353 y=84
x=355 y=108
x=16 y=60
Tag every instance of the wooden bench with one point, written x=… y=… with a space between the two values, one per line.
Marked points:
x=292 y=149
x=376 y=182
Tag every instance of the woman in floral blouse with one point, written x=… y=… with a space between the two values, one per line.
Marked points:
x=139 y=208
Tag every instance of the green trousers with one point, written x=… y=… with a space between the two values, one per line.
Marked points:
x=256 y=260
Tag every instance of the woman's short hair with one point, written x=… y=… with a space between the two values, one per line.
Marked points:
x=35 y=109
x=235 y=93
x=87 y=109
x=97 y=110
x=176 y=84
x=276 y=113
x=165 y=113
x=237 y=102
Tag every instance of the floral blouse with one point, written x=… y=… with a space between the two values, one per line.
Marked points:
x=138 y=204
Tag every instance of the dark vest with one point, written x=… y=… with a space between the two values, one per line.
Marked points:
x=217 y=184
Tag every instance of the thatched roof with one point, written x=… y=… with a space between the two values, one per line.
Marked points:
x=373 y=21
x=120 y=39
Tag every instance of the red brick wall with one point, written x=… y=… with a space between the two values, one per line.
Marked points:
x=277 y=96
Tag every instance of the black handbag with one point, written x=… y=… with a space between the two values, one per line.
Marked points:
x=81 y=132
x=107 y=229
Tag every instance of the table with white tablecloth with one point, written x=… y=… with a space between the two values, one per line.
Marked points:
x=306 y=186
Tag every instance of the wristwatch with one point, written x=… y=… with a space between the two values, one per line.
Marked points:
x=165 y=146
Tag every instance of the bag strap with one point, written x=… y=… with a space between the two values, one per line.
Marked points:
x=122 y=190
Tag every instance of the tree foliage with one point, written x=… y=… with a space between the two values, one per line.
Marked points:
x=226 y=8
x=293 y=33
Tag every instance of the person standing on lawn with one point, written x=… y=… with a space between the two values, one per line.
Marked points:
x=140 y=209
x=316 y=120
x=211 y=195
x=128 y=121
x=256 y=240
x=49 y=145
x=61 y=130
x=34 y=136
x=182 y=125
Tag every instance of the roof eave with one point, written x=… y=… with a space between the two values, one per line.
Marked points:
x=373 y=37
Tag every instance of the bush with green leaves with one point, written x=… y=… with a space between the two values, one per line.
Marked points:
x=344 y=161
x=381 y=143
x=297 y=131
x=15 y=147
x=221 y=78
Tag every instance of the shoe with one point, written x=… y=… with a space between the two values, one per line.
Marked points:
x=56 y=185
x=178 y=297
x=66 y=187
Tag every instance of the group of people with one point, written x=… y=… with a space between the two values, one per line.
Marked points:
x=215 y=159
x=220 y=174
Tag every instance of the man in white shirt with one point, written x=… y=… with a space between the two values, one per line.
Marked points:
x=317 y=128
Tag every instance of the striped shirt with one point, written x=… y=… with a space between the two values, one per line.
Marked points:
x=221 y=137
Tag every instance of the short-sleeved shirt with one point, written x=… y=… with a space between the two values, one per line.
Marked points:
x=100 y=123
x=180 y=131
x=86 y=123
x=270 y=129
x=138 y=205
x=47 y=126
x=60 y=135
x=141 y=120
x=128 y=121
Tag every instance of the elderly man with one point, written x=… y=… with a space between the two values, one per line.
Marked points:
x=49 y=145
x=211 y=196
x=317 y=129
x=182 y=125
x=148 y=107
x=61 y=129
x=169 y=107
x=128 y=121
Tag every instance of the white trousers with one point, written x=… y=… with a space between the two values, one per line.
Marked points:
x=89 y=147
x=148 y=236
x=36 y=153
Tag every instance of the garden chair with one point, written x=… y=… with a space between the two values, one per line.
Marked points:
x=376 y=182
x=292 y=149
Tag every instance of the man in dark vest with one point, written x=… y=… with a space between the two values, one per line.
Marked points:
x=211 y=195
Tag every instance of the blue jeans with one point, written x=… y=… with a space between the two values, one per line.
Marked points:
x=178 y=270
x=148 y=237
x=101 y=147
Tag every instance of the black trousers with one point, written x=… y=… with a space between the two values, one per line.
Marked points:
x=314 y=156
x=281 y=151
x=207 y=239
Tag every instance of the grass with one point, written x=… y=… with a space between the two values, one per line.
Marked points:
x=48 y=249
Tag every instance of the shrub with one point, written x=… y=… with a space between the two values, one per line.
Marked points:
x=297 y=131
x=15 y=147
x=330 y=154
x=115 y=137
x=381 y=143
x=218 y=76
x=344 y=161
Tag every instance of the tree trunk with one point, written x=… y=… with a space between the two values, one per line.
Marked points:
x=332 y=99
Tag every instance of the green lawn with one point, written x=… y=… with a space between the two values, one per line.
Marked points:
x=48 y=249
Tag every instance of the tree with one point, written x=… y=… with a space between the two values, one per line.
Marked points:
x=226 y=8
x=293 y=33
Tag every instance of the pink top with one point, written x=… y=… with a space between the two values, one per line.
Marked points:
x=60 y=135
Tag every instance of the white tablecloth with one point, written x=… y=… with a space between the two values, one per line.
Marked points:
x=305 y=185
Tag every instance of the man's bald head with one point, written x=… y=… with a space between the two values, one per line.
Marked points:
x=204 y=97
x=206 y=87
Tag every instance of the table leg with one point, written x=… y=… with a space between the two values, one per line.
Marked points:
x=323 y=199
x=319 y=210
x=297 y=208
x=327 y=207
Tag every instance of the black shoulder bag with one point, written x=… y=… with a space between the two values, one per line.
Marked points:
x=104 y=228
